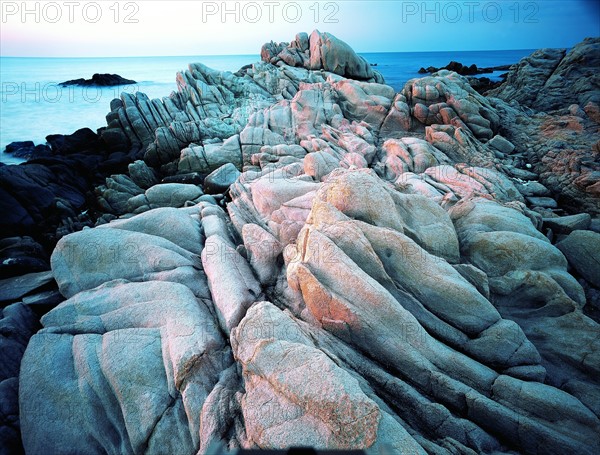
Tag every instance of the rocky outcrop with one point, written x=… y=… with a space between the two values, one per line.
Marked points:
x=560 y=150
x=551 y=79
x=320 y=51
x=304 y=257
x=140 y=350
x=464 y=70
x=51 y=195
x=100 y=80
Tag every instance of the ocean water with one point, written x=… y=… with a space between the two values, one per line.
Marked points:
x=32 y=105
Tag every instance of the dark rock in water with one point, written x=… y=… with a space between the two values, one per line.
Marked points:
x=14 y=147
x=37 y=197
x=83 y=140
x=484 y=84
x=464 y=70
x=100 y=80
x=27 y=150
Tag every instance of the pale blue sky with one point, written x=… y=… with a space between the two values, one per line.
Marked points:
x=146 y=28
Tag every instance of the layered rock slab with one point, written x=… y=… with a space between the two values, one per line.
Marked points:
x=133 y=354
x=370 y=293
x=121 y=362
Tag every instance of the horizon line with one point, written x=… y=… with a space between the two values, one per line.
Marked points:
x=255 y=54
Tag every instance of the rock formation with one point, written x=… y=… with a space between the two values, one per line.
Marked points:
x=464 y=70
x=320 y=51
x=553 y=78
x=100 y=80
x=305 y=257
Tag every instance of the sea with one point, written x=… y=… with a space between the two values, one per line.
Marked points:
x=33 y=105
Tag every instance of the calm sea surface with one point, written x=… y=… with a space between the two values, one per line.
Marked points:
x=32 y=105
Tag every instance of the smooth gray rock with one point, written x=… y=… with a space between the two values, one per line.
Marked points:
x=115 y=370
x=169 y=223
x=532 y=189
x=232 y=284
x=545 y=202
x=172 y=194
x=221 y=179
x=582 y=249
x=502 y=144
x=88 y=258
x=567 y=224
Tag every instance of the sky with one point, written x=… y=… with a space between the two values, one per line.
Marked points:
x=107 y=28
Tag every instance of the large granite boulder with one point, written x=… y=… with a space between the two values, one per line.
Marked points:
x=320 y=51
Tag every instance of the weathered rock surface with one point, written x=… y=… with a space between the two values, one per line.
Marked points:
x=567 y=224
x=550 y=79
x=368 y=270
x=582 y=249
x=320 y=51
x=563 y=148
